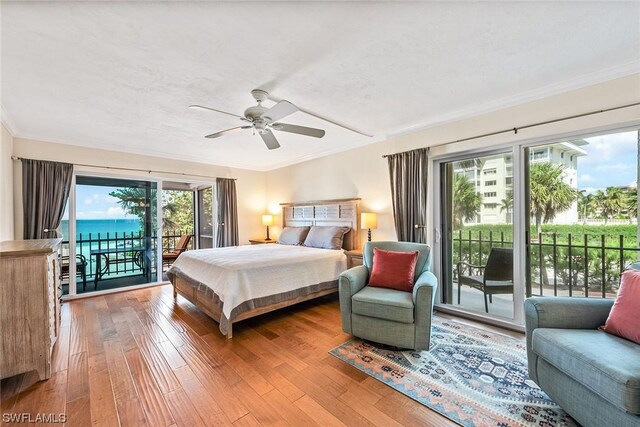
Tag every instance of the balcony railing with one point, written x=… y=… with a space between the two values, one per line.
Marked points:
x=587 y=265
x=123 y=251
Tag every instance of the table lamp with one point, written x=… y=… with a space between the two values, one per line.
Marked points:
x=369 y=221
x=267 y=220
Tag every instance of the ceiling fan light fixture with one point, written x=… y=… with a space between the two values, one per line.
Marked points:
x=263 y=119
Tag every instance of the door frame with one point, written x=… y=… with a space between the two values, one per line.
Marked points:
x=87 y=171
x=520 y=221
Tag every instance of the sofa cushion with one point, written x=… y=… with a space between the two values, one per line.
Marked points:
x=383 y=303
x=607 y=365
x=624 y=318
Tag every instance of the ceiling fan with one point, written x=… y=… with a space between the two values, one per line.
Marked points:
x=264 y=120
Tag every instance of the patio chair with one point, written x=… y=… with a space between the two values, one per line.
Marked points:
x=81 y=269
x=171 y=256
x=496 y=277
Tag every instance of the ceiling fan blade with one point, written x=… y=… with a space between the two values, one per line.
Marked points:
x=224 y=132
x=202 y=107
x=270 y=140
x=302 y=130
x=280 y=110
x=322 y=117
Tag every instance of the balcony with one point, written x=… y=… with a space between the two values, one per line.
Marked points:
x=115 y=260
x=575 y=265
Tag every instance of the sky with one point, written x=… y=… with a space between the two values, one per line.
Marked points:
x=94 y=202
x=611 y=161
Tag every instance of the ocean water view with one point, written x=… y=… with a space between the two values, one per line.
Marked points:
x=102 y=226
x=92 y=234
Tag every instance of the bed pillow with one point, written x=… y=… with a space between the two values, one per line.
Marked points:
x=326 y=237
x=624 y=318
x=393 y=269
x=293 y=235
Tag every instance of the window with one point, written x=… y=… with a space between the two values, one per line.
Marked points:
x=490 y=194
x=490 y=172
x=562 y=155
x=539 y=155
x=508 y=180
x=489 y=183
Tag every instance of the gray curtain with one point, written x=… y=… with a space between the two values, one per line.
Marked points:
x=45 y=191
x=227 y=205
x=408 y=173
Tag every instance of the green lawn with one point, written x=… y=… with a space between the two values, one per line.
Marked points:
x=594 y=233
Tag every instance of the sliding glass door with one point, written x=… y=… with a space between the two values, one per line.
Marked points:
x=583 y=223
x=552 y=219
x=477 y=222
x=116 y=222
x=206 y=230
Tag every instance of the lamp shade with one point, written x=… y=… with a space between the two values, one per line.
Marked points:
x=369 y=220
x=267 y=219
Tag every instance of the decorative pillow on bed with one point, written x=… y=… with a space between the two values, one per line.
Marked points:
x=293 y=235
x=624 y=318
x=393 y=269
x=326 y=237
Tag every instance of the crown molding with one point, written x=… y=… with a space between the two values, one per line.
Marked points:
x=7 y=122
x=554 y=89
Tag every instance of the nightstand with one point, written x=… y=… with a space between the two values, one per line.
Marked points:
x=260 y=241
x=354 y=258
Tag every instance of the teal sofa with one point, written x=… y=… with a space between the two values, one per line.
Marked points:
x=388 y=316
x=592 y=375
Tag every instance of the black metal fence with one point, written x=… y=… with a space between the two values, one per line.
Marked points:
x=586 y=265
x=123 y=251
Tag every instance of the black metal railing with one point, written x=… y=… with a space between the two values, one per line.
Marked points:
x=583 y=265
x=123 y=262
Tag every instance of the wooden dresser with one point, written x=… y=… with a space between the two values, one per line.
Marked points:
x=29 y=305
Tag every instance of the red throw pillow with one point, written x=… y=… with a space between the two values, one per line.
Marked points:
x=393 y=270
x=624 y=318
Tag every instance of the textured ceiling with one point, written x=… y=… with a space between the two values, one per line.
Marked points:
x=121 y=75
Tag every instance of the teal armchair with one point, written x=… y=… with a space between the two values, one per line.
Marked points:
x=592 y=375
x=388 y=316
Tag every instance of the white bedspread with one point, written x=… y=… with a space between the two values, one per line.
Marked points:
x=242 y=273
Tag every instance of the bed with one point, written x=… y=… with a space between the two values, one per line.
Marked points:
x=236 y=283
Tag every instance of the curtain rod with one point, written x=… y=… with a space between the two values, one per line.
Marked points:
x=133 y=169
x=516 y=129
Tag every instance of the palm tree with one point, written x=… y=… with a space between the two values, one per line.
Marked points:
x=549 y=194
x=587 y=206
x=135 y=201
x=610 y=202
x=506 y=204
x=631 y=203
x=466 y=201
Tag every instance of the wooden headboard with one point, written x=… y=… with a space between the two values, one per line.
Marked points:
x=338 y=212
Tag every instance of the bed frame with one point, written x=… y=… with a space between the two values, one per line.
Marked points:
x=339 y=212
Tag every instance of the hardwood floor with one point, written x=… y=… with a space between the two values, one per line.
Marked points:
x=140 y=358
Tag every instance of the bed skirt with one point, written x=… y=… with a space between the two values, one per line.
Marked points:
x=208 y=301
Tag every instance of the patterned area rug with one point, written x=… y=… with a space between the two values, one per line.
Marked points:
x=471 y=376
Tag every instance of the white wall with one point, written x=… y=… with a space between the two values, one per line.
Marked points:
x=363 y=173
x=6 y=185
x=250 y=185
